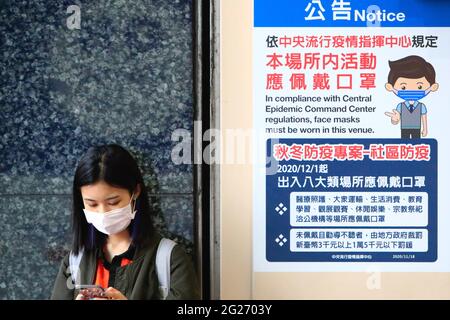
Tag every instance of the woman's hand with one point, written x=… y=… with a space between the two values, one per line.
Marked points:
x=112 y=294
x=109 y=294
x=80 y=297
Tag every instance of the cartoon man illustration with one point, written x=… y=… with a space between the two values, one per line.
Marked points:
x=411 y=79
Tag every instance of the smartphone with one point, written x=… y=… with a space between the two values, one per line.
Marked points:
x=88 y=286
x=90 y=291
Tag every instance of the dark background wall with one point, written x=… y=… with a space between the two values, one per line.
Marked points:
x=125 y=77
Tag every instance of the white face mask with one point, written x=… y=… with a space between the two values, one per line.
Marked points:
x=112 y=221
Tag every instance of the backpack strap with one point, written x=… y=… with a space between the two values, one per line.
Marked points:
x=74 y=265
x=163 y=265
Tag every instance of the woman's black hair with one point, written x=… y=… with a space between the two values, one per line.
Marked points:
x=115 y=166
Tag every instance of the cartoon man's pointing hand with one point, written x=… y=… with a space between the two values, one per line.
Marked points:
x=395 y=116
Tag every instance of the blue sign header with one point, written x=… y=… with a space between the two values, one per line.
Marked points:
x=351 y=13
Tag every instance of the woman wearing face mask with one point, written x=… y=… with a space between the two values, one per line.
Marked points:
x=114 y=236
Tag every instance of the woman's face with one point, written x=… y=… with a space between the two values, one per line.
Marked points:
x=102 y=197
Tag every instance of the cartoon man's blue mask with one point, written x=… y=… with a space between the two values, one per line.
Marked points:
x=412 y=95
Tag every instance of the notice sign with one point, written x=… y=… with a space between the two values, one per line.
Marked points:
x=351 y=107
x=351 y=200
